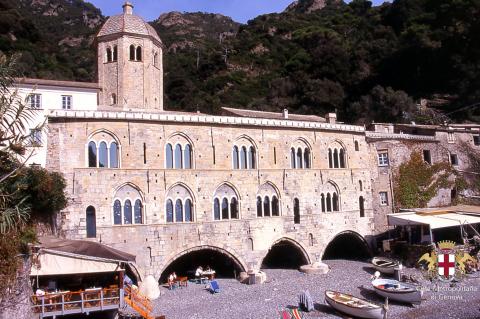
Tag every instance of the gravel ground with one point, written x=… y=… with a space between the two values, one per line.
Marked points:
x=282 y=288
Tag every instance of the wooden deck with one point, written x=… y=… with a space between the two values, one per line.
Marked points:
x=78 y=302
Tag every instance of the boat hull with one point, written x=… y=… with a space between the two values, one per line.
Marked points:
x=408 y=293
x=367 y=313
x=389 y=269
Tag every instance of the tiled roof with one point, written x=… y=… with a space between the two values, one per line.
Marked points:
x=272 y=115
x=70 y=84
x=128 y=23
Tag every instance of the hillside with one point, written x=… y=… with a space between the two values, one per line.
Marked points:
x=368 y=63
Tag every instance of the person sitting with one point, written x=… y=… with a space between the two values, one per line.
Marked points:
x=199 y=272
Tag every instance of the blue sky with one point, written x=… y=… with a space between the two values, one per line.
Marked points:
x=239 y=10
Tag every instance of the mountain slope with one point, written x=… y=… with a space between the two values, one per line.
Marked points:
x=367 y=63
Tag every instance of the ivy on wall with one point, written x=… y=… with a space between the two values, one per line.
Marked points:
x=417 y=182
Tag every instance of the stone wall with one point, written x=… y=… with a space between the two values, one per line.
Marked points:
x=156 y=243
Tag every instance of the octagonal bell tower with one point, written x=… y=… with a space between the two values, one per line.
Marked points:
x=130 y=64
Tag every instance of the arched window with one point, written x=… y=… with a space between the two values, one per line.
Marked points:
x=178 y=211
x=117 y=212
x=225 y=205
x=114 y=155
x=188 y=211
x=225 y=214
x=329 y=202
x=360 y=185
x=266 y=206
x=139 y=54
x=178 y=156
x=310 y=239
x=115 y=53
x=127 y=213
x=113 y=99
x=259 y=207
x=169 y=211
x=342 y=158
x=216 y=209
x=243 y=157
x=244 y=154
x=251 y=158
x=91 y=222
x=299 y=158
x=275 y=208
x=250 y=244
x=102 y=155
x=132 y=53
x=296 y=211
x=292 y=158
x=335 y=158
x=357 y=148
x=169 y=156
x=306 y=158
x=233 y=208
x=361 y=204
x=235 y=157
x=330 y=158
x=109 y=55
x=335 y=202
x=138 y=212
x=155 y=59
x=92 y=154
x=187 y=158
x=322 y=199
x=103 y=150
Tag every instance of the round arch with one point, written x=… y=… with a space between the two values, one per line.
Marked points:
x=347 y=244
x=237 y=262
x=275 y=257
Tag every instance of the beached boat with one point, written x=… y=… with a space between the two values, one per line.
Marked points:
x=354 y=306
x=396 y=290
x=385 y=265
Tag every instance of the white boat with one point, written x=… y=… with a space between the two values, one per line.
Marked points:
x=396 y=290
x=385 y=265
x=354 y=306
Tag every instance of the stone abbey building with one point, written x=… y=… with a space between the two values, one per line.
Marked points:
x=167 y=185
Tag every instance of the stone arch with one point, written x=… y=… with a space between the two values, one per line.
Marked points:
x=129 y=184
x=105 y=131
x=233 y=256
x=180 y=184
x=302 y=140
x=225 y=183
x=298 y=252
x=347 y=244
x=248 y=138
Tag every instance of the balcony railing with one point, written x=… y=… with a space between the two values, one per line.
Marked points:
x=78 y=302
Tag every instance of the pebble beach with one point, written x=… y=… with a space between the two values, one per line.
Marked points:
x=283 y=287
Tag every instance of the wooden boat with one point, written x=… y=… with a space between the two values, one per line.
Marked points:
x=396 y=290
x=354 y=306
x=385 y=265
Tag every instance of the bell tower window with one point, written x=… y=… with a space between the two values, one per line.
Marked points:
x=115 y=53
x=132 y=53
x=139 y=54
x=109 y=55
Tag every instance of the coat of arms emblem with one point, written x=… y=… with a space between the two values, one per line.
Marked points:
x=446 y=262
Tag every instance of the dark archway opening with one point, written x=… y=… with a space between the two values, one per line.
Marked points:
x=224 y=265
x=348 y=246
x=284 y=255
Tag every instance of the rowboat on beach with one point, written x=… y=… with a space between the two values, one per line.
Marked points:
x=354 y=306
x=385 y=265
x=397 y=290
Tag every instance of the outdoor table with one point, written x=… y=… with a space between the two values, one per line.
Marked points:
x=209 y=274
x=182 y=281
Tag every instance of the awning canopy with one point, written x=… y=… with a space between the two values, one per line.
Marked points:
x=53 y=264
x=67 y=257
x=434 y=219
